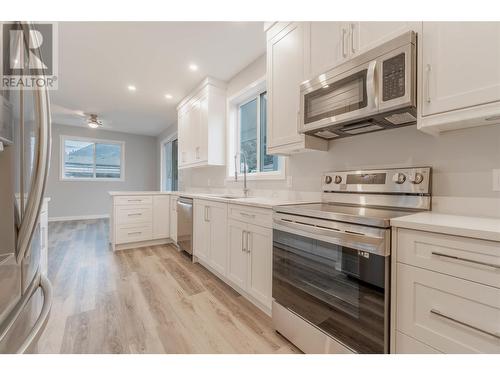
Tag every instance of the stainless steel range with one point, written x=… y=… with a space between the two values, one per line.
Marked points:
x=331 y=260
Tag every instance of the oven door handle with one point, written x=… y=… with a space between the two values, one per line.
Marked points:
x=378 y=244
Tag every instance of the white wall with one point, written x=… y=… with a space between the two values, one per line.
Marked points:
x=84 y=198
x=462 y=161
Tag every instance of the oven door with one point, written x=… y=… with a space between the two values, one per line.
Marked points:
x=336 y=285
x=327 y=100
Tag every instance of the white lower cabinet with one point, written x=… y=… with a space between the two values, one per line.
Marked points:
x=173 y=218
x=217 y=219
x=250 y=260
x=259 y=248
x=445 y=295
x=161 y=216
x=210 y=234
x=139 y=220
x=238 y=258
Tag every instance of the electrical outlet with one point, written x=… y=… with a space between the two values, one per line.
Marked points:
x=496 y=179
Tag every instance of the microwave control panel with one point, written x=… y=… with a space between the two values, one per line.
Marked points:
x=393 y=72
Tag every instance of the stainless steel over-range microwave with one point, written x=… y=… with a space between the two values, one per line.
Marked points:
x=373 y=91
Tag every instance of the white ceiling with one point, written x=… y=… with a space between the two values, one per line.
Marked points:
x=98 y=60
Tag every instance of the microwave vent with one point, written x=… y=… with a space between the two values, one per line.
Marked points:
x=361 y=128
x=401 y=118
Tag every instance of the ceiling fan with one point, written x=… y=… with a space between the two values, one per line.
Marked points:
x=67 y=116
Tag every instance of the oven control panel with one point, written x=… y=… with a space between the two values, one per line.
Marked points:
x=384 y=181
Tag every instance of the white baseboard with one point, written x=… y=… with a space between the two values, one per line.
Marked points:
x=83 y=217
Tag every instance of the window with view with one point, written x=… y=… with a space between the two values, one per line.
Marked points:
x=87 y=159
x=252 y=135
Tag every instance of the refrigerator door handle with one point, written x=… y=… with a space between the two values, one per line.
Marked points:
x=41 y=322
x=37 y=190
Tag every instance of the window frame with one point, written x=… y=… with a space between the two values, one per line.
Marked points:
x=172 y=137
x=62 y=146
x=246 y=95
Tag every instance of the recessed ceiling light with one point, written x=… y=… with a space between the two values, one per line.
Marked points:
x=193 y=67
x=131 y=88
x=168 y=96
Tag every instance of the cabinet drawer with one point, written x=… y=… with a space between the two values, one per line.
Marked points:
x=133 y=233
x=133 y=199
x=133 y=214
x=408 y=345
x=251 y=215
x=447 y=313
x=467 y=258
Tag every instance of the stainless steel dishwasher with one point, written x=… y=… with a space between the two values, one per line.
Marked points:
x=185 y=224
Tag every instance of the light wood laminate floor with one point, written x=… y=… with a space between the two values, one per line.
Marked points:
x=148 y=300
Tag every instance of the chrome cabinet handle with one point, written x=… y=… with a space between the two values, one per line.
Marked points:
x=428 y=83
x=493 y=265
x=344 y=53
x=137 y=214
x=133 y=233
x=353 y=50
x=243 y=241
x=134 y=200
x=247 y=215
x=41 y=166
x=454 y=320
x=248 y=242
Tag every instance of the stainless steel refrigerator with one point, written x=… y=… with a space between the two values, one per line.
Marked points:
x=25 y=293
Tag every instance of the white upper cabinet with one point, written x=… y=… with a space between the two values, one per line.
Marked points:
x=460 y=80
x=286 y=70
x=364 y=36
x=201 y=126
x=327 y=46
x=331 y=43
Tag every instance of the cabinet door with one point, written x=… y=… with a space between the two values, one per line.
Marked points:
x=173 y=219
x=201 y=149
x=285 y=69
x=201 y=233
x=366 y=35
x=194 y=132
x=327 y=46
x=260 y=244
x=217 y=218
x=461 y=65
x=161 y=216
x=237 y=257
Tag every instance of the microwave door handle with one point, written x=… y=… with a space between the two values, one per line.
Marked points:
x=371 y=88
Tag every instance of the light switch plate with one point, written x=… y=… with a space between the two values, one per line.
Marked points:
x=496 y=179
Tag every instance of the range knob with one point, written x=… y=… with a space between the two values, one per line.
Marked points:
x=399 y=178
x=328 y=180
x=416 y=178
x=338 y=179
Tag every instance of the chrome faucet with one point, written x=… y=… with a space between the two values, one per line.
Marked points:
x=245 y=188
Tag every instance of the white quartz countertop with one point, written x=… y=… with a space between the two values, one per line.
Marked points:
x=262 y=202
x=118 y=193
x=465 y=226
